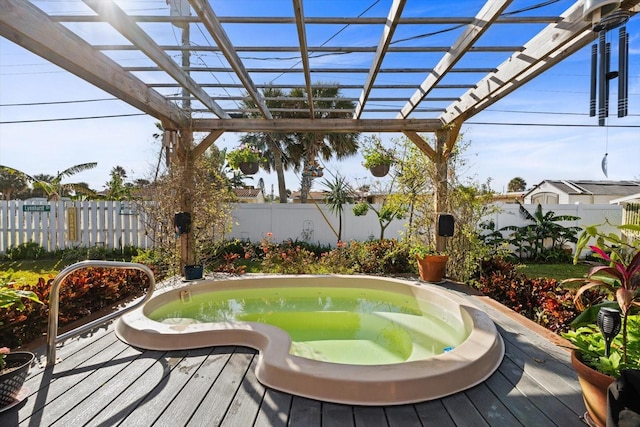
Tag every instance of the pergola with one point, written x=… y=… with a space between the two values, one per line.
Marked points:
x=189 y=65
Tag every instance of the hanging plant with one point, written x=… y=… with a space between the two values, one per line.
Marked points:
x=377 y=158
x=243 y=155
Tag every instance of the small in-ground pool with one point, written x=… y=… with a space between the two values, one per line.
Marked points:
x=347 y=339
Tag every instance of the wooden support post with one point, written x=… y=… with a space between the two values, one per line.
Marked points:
x=185 y=163
x=444 y=144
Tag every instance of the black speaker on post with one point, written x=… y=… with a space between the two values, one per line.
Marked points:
x=182 y=222
x=445 y=225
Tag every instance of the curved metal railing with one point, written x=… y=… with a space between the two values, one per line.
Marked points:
x=52 y=330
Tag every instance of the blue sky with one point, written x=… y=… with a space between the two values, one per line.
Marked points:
x=38 y=138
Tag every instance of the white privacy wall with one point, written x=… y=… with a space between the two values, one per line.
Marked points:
x=306 y=222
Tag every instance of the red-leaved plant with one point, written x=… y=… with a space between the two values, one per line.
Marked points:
x=621 y=277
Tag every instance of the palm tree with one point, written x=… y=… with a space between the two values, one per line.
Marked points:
x=11 y=183
x=272 y=145
x=517 y=184
x=340 y=193
x=54 y=188
x=309 y=146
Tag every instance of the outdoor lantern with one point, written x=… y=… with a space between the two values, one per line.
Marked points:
x=609 y=323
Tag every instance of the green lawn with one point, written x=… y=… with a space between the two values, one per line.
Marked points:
x=28 y=272
x=556 y=271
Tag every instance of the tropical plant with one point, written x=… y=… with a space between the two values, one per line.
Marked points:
x=55 y=188
x=12 y=298
x=244 y=153
x=531 y=239
x=340 y=193
x=620 y=277
x=117 y=189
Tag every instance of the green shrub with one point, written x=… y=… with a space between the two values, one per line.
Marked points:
x=25 y=251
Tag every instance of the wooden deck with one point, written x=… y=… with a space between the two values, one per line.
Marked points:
x=104 y=382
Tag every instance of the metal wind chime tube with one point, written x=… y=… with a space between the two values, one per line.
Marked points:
x=623 y=73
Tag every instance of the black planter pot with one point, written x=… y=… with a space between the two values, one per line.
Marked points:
x=249 y=168
x=13 y=376
x=193 y=272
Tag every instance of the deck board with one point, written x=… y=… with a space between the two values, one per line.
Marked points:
x=102 y=382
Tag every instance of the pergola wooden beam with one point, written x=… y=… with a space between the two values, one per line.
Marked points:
x=310 y=125
x=111 y=13
x=543 y=51
x=487 y=15
x=208 y=140
x=304 y=53
x=27 y=26
x=213 y=26
x=385 y=39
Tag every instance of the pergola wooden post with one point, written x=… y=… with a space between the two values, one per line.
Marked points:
x=445 y=139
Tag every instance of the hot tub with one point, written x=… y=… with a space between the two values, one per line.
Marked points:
x=359 y=340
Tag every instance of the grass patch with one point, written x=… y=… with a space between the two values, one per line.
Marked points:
x=28 y=272
x=554 y=271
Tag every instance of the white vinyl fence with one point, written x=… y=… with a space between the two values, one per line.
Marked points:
x=64 y=224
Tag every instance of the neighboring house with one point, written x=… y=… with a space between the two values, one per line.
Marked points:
x=249 y=195
x=509 y=198
x=317 y=196
x=562 y=192
x=630 y=212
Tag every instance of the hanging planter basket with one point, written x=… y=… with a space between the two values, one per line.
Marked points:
x=380 y=170
x=13 y=376
x=249 y=168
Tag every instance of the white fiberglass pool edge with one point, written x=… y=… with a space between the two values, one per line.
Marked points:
x=468 y=364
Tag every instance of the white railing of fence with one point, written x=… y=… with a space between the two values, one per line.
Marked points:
x=64 y=224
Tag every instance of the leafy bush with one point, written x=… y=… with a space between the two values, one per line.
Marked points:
x=27 y=250
x=542 y=300
x=287 y=257
x=81 y=294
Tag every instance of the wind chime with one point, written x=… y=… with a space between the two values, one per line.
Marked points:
x=605 y=16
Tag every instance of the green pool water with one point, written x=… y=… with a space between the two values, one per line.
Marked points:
x=341 y=325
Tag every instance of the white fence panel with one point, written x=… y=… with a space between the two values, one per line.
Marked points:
x=52 y=224
x=115 y=224
x=307 y=222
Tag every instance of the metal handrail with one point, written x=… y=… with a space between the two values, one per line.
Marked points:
x=52 y=330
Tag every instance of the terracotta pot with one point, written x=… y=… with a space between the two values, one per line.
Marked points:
x=594 y=390
x=380 y=170
x=432 y=267
x=249 y=168
x=13 y=376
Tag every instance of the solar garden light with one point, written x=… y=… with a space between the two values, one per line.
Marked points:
x=609 y=323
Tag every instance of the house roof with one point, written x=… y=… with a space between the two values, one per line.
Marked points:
x=592 y=188
x=630 y=198
x=247 y=192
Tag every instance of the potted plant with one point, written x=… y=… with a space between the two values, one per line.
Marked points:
x=431 y=263
x=599 y=358
x=245 y=157
x=377 y=158
x=14 y=366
